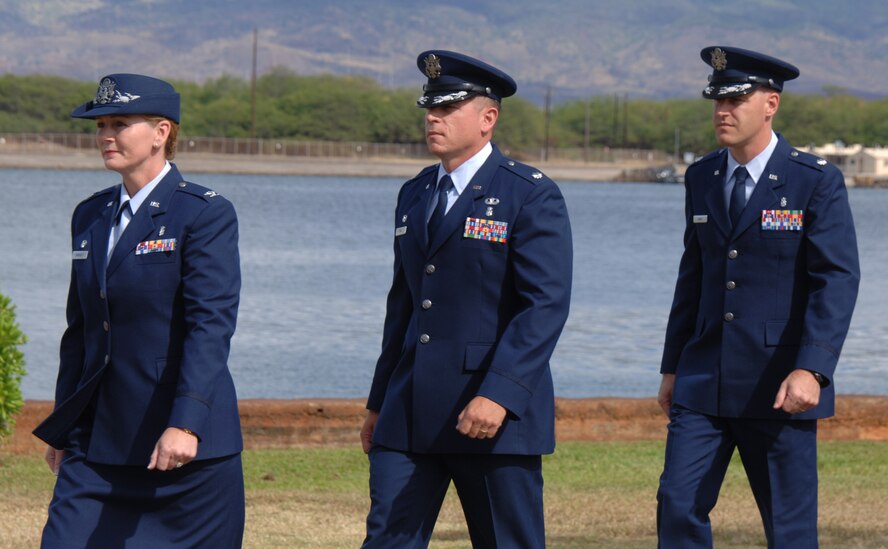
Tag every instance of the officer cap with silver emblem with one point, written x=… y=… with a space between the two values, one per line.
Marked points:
x=738 y=72
x=123 y=94
x=456 y=77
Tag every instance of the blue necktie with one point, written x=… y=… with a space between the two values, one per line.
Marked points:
x=441 y=207
x=738 y=194
x=120 y=223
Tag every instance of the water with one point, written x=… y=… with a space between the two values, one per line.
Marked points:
x=316 y=259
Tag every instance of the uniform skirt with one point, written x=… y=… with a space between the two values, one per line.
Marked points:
x=200 y=505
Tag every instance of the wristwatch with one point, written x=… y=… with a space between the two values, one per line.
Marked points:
x=820 y=379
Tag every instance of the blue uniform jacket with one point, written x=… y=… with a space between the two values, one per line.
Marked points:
x=147 y=341
x=467 y=316
x=753 y=304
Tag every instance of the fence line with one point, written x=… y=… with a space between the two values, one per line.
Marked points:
x=64 y=143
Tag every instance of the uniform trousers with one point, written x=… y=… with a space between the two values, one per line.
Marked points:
x=501 y=496
x=780 y=459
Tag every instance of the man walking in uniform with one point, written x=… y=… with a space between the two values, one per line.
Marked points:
x=482 y=275
x=766 y=287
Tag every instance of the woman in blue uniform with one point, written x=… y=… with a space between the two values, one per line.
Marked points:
x=145 y=435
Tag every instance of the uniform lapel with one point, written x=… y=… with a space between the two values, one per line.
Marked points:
x=764 y=196
x=142 y=224
x=465 y=205
x=417 y=224
x=99 y=233
x=715 y=196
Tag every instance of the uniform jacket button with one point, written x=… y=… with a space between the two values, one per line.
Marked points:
x=733 y=254
x=424 y=338
x=105 y=325
x=426 y=303
x=107 y=359
x=101 y=294
x=731 y=285
x=430 y=269
x=729 y=317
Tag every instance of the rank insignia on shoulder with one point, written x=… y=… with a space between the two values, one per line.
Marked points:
x=486 y=229
x=536 y=175
x=701 y=219
x=822 y=162
x=782 y=220
x=211 y=194
x=155 y=204
x=155 y=246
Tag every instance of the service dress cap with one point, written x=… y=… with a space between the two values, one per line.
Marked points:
x=456 y=77
x=123 y=94
x=738 y=72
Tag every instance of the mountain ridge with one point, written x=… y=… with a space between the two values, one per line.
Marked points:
x=643 y=49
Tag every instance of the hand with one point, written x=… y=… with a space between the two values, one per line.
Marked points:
x=367 y=430
x=53 y=458
x=174 y=449
x=798 y=393
x=481 y=418
x=664 y=396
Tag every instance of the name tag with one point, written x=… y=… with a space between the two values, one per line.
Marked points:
x=154 y=246
x=701 y=219
x=486 y=229
x=783 y=220
x=401 y=231
x=80 y=254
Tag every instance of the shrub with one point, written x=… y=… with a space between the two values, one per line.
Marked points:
x=12 y=366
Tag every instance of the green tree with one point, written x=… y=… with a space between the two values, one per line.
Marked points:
x=12 y=366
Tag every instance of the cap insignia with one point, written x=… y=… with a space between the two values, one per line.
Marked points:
x=432 y=66
x=105 y=93
x=719 y=59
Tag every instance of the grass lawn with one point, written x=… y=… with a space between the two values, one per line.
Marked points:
x=597 y=495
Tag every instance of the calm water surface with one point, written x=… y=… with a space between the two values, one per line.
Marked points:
x=316 y=260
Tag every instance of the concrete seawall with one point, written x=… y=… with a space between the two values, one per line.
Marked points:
x=193 y=163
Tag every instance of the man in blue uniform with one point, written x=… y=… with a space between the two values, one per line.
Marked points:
x=766 y=287
x=482 y=275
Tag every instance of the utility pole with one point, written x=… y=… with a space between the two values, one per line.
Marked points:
x=625 y=119
x=253 y=86
x=676 y=144
x=548 y=106
x=586 y=131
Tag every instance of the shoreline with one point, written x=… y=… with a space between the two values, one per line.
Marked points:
x=235 y=164
x=336 y=422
